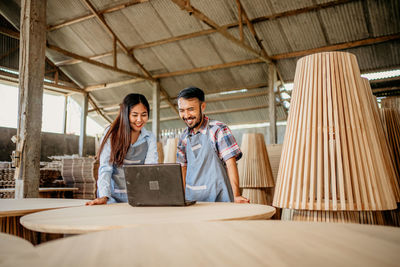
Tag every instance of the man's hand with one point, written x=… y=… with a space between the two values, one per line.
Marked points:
x=240 y=199
x=97 y=201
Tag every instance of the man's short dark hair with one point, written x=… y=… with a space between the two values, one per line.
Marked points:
x=192 y=92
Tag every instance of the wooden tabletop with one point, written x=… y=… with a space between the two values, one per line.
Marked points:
x=105 y=217
x=19 y=207
x=45 y=189
x=234 y=243
x=13 y=247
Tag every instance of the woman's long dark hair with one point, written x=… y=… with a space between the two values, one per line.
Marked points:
x=120 y=129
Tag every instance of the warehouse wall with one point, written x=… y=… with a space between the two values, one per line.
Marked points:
x=52 y=144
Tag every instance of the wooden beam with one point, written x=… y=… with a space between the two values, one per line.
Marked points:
x=102 y=86
x=387 y=89
x=222 y=111
x=115 y=52
x=156 y=111
x=208 y=68
x=76 y=61
x=65 y=115
x=96 y=108
x=31 y=69
x=60 y=88
x=240 y=17
x=96 y=63
x=89 y=16
x=82 y=135
x=273 y=137
x=202 y=17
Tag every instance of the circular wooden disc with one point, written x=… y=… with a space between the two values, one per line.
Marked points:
x=104 y=217
x=19 y=207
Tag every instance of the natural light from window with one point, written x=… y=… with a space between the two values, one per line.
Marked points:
x=53 y=108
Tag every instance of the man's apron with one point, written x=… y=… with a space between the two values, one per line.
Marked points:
x=206 y=179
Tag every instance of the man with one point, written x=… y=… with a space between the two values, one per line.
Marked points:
x=207 y=152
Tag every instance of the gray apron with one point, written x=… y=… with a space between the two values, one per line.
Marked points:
x=135 y=155
x=206 y=178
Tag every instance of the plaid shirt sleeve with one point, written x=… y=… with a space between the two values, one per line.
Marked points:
x=181 y=150
x=226 y=144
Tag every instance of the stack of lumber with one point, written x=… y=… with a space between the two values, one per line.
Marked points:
x=160 y=151
x=7 y=180
x=81 y=173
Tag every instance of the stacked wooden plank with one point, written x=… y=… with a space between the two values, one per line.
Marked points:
x=81 y=173
x=255 y=173
x=160 y=151
x=7 y=180
x=50 y=173
x=334 y=156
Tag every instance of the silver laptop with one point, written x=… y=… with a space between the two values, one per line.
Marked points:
x=155 y=185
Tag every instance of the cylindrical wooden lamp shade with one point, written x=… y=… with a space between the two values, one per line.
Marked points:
x=332 y=158
x=391 y=123
x=256 y=195
x=170 y=150
x=384 y=139
x=254 y=168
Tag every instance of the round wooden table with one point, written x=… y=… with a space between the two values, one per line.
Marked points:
x=105 y=217
x=13 y=248
x=233 y=243
x=12 y=209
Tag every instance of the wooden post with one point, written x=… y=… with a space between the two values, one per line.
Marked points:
x=65 y=115
x=156 y=110
x=31 y=70
x=272 y=106
x=82 y=136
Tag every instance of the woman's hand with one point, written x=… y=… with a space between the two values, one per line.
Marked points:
x=240 y=199
x=97 y=201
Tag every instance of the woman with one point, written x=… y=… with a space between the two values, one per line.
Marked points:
x=125 y=142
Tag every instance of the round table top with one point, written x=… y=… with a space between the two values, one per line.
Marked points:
x=79 y=220
x=19 y=207
x=13 y=247
x=45 y=189
x=233 y=243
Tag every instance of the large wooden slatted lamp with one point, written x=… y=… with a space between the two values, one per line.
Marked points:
x=333 y=165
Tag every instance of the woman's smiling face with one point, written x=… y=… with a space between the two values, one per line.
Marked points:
x=138 y=116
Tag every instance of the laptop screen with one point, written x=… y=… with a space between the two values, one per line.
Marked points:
x=154 y=185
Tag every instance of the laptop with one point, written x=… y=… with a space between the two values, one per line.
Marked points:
x=155 y=185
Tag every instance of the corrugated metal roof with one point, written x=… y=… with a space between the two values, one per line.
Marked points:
x=345 y=23
x=65 y=10
x=384 y=16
